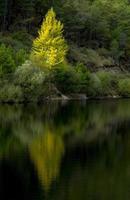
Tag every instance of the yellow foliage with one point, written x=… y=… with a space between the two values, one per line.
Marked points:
x=50 y=47
x=46 y=152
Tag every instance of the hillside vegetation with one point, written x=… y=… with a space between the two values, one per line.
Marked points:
x=78 y=47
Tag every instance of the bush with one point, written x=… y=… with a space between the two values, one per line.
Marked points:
x=108 y=81
x=124 y=87
x=89 y=57
x=102 y=84
x=7 y=64
x=23 y=37
x=20 y=57
x=10 y=93
x=31 y=80
x=94 y=89
x=65 y=78
x=79 y=79
x=10 y=59
x=96 y=60
x=84 y=77
x=27 y=74
x=10 y=42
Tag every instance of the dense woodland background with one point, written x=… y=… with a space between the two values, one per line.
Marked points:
x=97 y=31
x=97 y=37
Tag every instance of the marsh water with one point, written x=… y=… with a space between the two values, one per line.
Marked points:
x=65 y=151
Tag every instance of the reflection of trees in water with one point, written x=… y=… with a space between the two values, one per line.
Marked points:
x=10 y=147
x=103 y=171
x=73 y=118
x=43 y=128
x=9 y=114
x=46 y=152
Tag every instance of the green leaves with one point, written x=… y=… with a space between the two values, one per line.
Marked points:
x=10 y=59
x=7 y=64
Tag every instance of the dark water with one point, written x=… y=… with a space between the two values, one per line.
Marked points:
x=65 y=151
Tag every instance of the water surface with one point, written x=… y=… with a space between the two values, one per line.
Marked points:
x=65 y=151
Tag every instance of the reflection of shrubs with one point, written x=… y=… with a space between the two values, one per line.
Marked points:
x=124 y=87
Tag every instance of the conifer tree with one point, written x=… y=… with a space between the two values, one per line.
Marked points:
x=50 y=47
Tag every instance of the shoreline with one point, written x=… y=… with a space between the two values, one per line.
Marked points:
x=78 y=97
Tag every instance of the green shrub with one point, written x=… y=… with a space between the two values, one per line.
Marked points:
x=23 y=37
x=31 y=79
x=108 y=83
x=10 y=42
x=65 y=78
x=94 y=89
x=10 y=59
x=102 y=84
x=89 y=57
x=10 y=93
x=27 y=74
x=95 y=59
x=124 y=87
x=84 y=77
x=7 y=64
x=79 y=79
x=20 y=57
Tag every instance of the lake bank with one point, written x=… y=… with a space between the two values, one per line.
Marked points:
x=78 y=97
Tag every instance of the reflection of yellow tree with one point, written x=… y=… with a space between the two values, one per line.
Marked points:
x=46 y=152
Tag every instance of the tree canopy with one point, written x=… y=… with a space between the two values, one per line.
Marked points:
x=50 y=46
x=91 y=24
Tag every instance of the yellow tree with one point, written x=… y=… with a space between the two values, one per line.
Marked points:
x=49 y=48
